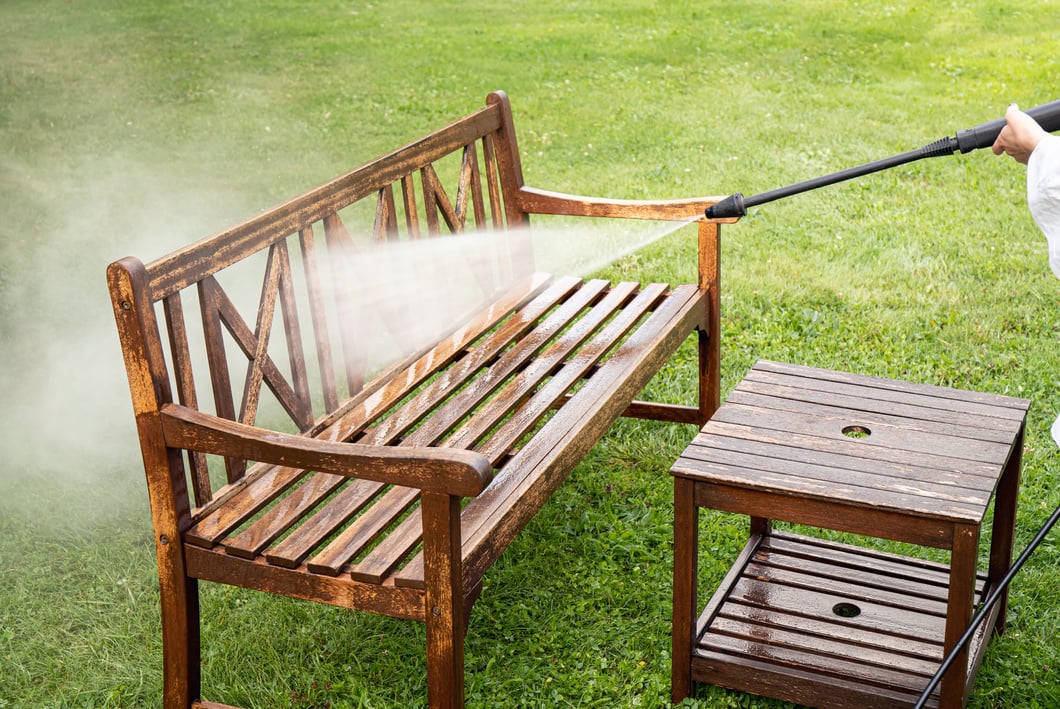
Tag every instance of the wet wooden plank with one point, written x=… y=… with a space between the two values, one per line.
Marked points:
x=323 y=523
x=969 y=489
x=185 y=381
x=850 y=668
x=815 y=375
x=573 y=369
x=742 y=442
x=843 y=635
x=287 y=513
x=784 y=567
x=914 y=407
x=511 y=361
x=844 y=586
x=525 y=482
x=841 y=555
x=357 y=535
x=804 y=446
x=388 y=554
x=817 y=645
x=885 y=435
x=795 y=490
x=876 y=618
x=535 y=372
x=890 y=417
x=245 y=502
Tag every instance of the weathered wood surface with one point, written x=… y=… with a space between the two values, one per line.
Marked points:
x=282 y=456
x=930 y=451
x=777 y=621
x=830 y=625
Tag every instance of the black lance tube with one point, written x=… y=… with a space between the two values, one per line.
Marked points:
x=981 y=136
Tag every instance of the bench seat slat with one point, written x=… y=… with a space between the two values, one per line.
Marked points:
x=340 y=509
x=528 y=302
x=523 y=484
x=524 y=382
x=456 y=408
x=243 y=505
x=572 y=371
x=390 y=552
x=352 y=540
x=259 y=534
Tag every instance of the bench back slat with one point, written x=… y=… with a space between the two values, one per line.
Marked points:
x=318 y=317
x=178 y=343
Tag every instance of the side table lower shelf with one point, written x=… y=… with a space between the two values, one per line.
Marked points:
x=827 y=624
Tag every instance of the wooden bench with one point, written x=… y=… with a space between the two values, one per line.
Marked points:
x=395 y=485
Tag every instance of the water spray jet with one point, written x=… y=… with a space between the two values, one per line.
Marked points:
x=981 y=136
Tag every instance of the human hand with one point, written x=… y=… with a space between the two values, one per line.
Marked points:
x=1019 y=137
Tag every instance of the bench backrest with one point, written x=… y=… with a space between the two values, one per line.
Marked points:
x=460 y=178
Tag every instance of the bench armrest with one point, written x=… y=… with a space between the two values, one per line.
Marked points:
x=535 y=201
x=452 y=471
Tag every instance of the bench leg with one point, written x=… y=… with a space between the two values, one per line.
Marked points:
x=445 y=601
x=686 y=543
x=959 y=612
x=180 y=641
x=1005 y=503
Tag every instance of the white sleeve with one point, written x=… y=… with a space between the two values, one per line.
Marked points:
x=1043 y=194
x=1043 y=198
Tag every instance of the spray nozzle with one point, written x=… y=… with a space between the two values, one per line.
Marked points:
x=731 y=206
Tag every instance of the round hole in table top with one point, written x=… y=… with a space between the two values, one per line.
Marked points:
x=856 y=431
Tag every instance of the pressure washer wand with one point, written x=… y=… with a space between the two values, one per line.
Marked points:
x=981 y=136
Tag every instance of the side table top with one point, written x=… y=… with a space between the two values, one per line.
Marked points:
x=858 y=440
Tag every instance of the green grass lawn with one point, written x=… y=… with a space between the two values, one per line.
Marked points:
x=134 y=127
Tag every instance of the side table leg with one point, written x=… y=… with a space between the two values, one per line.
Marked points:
x=686 y=547
x=959 y=611
x=1004 y=527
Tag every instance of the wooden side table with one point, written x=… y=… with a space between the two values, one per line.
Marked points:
x=825 y=624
